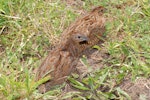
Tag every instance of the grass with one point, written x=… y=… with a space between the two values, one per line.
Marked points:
x=29 y=27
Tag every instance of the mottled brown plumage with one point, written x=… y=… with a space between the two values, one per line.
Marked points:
x=91 y=25
x=62 y=60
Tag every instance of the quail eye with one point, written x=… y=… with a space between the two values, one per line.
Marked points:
x=79 y=37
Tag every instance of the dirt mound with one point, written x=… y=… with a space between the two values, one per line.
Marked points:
x=94 y=59
x=138 y=90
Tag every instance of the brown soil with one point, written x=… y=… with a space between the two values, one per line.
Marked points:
x=94 y=59
x=138 y=90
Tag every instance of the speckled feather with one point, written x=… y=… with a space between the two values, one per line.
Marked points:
x=62 y=60
x=91 y=25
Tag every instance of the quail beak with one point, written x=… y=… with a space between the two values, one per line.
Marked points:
x=84 y=40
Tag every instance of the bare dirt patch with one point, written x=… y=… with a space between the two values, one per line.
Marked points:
x=138 y=90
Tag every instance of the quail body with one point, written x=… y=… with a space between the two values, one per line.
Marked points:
x=79 y=36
